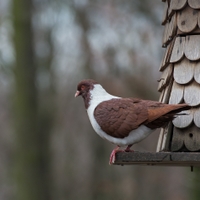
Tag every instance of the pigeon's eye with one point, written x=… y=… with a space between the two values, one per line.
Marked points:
x=82 y=87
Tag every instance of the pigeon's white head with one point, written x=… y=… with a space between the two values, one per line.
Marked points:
x=84 y=88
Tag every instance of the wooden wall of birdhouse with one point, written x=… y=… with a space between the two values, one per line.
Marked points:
x=180 y=79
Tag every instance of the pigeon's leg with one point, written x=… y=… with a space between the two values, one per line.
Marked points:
x=128 y=148
x=112 y=155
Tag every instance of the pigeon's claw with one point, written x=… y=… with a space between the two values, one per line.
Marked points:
x=112 y=155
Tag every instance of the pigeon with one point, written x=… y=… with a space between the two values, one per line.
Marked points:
x=124 y=121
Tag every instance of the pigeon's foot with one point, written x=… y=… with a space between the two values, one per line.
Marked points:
x=112 y=155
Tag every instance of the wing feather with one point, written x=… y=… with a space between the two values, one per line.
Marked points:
x=118 y=117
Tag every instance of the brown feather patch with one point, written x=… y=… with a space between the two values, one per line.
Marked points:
x=118 y=117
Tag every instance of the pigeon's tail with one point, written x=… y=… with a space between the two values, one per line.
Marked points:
x=166 y=114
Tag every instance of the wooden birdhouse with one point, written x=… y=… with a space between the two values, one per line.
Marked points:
x=179 y=142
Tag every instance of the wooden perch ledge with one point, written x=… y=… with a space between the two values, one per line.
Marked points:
x=191 y=159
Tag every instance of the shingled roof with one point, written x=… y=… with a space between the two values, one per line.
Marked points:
x=180 y=79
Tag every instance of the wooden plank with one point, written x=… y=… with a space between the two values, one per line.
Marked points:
x=184 y=71
x=178 y=50
x=177 y=140
x=173 y=26
x=198 y=21
x=167 y=55
x=164 y=97
x=194 y=4
x=197 y=117
x=192 y=47
x=164 y=63
x=187 y=19
x=176 y=93
x=165 y=35
x=197 y=72
x=192 y=94
x=164 y=138
x=157 y=158
x=165 y=77
x=160 y=140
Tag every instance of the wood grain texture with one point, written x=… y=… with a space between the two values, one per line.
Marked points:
x=176 y=95
x=192 y=47
x=192 y=94
x=164 y=139
x=178 y=50
x=157 y=158
x=165 y=94
x=172 y=27
x=167 y=55
x=165 y=77
x=169 y=30
x=165 y=35
x=199 y=20
x=187 y=19
x=183 y=121
x=187 y=139
x=192 y=138
x=194 y=4
x=197 y=116
x=177 y=139
x=184 y=71
x=177 y=4
x=197 y=72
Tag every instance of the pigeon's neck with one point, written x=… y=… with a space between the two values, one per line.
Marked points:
x=97 y=95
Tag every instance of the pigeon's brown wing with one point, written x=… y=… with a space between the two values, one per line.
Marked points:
x=117 y=117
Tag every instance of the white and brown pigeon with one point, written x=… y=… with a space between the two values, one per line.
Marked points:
x=124 y=121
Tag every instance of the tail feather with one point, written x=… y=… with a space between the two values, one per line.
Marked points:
x=160 y=116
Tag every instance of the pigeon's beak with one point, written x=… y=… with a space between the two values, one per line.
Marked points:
x=77 y=93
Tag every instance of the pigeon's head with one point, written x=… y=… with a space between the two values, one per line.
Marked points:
x=84 y=88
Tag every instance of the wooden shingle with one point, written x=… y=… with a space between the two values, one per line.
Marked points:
x=187 y=19
x=178 y=50
x=192 y=94
x=184 y=120
x=197 y=72
x=177 y=5
x=196 y=117
x=176 y=95
x=183 y=71
x=192 y=47
x=195 y=4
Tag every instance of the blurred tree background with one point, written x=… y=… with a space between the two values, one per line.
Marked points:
x=48 y=148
